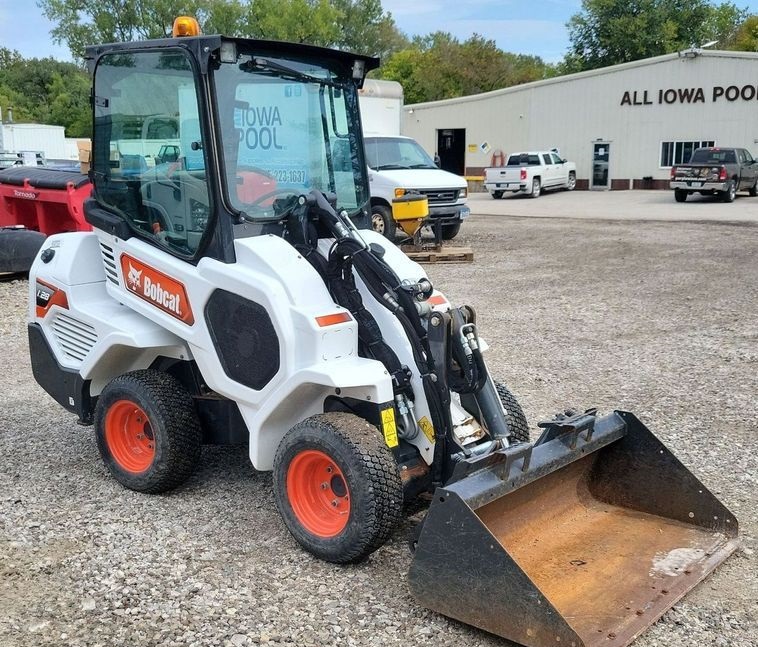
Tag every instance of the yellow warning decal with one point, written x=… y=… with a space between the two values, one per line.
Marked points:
x=427 y=428
x=389 y=428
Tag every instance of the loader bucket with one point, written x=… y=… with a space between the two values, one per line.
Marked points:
x=584 y=542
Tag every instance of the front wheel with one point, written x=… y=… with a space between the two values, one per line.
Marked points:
x=571 y=185
x=450 y=231
x=536 y=188
x=680 y=195
x=148 y=431
x=514 y=414
x=730 y=194
x=382 y=221
x=753 y=190
x=337 y=487
x=497 y=195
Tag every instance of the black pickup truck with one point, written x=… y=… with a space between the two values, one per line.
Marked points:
x=716 y=171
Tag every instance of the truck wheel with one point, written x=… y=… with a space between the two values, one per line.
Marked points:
x=337 y=487
x=730 y=194
x=450 y=231
x=514 y=414
x=148 y=431
x=497 y=195
x=536 y=188
x=680 y=195
x=571 y=181
x=753 y=190
x=382 y=221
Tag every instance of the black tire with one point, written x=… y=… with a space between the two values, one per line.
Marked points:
x=536 y=188
x=730 y=194
x=753 y=190
x=498 y=195
x=514 y=414
x=571 y=181
x=450 y=231
x=382 y=221
x=371 y=481
x=680 y=195
x=157 y=403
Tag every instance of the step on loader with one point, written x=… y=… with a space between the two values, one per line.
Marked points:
x=228 y=294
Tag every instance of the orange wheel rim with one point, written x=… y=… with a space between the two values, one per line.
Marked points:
x=129 y=436
x=318 y=494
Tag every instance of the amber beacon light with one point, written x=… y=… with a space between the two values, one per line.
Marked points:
x=185 y=26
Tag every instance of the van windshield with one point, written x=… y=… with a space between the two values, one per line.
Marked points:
x=387 y=153
x=288 y=127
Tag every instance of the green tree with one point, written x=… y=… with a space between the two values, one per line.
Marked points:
x=366 y=29
x=746 y=37
x=46 y=91
x=301 y=21
x=360 y=25
x=439 y=66
x=607 y=32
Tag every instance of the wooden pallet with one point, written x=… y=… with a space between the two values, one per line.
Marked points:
x=438 y=254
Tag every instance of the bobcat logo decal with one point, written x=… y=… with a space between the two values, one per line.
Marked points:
x=134 y=278
x=157 y=288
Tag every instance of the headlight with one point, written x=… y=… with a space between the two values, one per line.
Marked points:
x=463 y=193
x=399 y=193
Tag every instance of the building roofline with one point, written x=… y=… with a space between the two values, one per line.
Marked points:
x=687 y=54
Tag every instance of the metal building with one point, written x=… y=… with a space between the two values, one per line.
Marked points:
x=624 y=125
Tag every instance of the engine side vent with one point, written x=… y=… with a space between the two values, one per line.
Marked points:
x=75 y=338
x=109 y=263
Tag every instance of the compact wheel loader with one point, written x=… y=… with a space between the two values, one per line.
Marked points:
x=227 y=294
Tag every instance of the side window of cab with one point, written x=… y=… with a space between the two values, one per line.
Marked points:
x=148 y=154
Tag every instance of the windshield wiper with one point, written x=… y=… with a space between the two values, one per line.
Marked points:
x=387 y=167
x=422 y=166
x=288 y=73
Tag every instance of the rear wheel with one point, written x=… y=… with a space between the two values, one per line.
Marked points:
x=450 y=231
x=382 y=221
x=514 y=414
x=337 y=487
x=731 y=192
x=680 y=195
x=536 y=188
x=497 y=195
x=147 y=430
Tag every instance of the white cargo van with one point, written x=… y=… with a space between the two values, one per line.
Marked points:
x=398 y=165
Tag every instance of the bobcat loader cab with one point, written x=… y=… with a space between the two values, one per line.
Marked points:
x=226 y=295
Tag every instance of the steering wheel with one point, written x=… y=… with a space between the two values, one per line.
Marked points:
x=272 y=194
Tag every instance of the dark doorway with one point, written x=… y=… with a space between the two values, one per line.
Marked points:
x=601 y=157
x=451 y=148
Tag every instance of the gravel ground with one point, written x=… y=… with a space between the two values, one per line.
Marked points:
x=656 y=318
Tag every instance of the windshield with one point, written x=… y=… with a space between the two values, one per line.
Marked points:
x=288 y=127
x=385 y=153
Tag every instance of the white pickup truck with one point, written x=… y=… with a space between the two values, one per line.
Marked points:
x=530 y=173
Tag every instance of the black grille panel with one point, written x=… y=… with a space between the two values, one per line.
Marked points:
x=244 y=338
x=440 y=196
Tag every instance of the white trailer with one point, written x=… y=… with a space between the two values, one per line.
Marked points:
x=381 y=104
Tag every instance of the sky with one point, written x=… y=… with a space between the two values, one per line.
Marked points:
x=536 y=27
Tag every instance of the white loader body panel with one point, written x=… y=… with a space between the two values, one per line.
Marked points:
x=123 y=323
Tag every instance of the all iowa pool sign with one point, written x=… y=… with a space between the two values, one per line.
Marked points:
x=717 y=93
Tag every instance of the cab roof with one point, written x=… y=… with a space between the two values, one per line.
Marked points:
x=203 y=46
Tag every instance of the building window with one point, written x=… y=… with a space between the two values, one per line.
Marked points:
x=673 y=153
